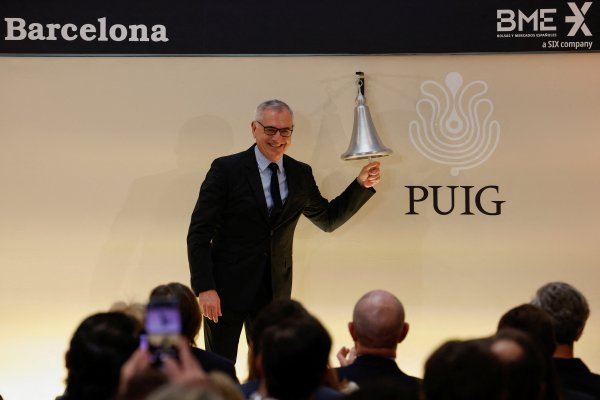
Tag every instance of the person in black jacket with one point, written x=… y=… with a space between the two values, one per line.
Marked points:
x=242 y=227
x=101 y=344
x=190 y=327
x=569 y=311
x=378 y=326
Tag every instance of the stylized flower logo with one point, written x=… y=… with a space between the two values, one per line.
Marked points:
x=455 y=126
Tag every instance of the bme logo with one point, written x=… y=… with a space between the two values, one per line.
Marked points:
x=542 y=20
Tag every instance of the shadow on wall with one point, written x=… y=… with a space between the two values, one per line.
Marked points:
x=146 y=244
x=380 y=235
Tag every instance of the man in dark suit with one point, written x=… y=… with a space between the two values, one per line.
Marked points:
x=377 y=327
x=242 y=228
x=569 y=310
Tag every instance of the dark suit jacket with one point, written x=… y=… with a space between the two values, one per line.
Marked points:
x=231 y=238
x=366 y=369
x=214 y=362
x=575 y=375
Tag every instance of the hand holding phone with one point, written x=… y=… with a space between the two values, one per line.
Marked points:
x=163 y=328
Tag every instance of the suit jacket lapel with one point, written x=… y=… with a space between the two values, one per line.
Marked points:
x=293 y=183
x=253 y=176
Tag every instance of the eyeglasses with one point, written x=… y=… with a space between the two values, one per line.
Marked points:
x=271 y=130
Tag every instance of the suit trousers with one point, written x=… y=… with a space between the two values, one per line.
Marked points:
x=223 y=337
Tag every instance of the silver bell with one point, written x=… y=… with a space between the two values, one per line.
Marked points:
x=365 y=142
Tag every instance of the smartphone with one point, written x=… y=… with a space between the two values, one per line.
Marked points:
x=163 y=328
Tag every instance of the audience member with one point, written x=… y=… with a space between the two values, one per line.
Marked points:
x=463 y=370
x=175 y=391
x=378 y=326
x=537 y=324
x=190 y=326
x=184 y=371
x=99 y=347
x=569 y=311
x=293 y=359
x=523 y=365
x=224 y=385
x=139 y=384
x=382 y=389
x=135 y=310
x=273 y=314
x=531 y=356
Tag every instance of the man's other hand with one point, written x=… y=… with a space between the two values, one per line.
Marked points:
x=210 y=305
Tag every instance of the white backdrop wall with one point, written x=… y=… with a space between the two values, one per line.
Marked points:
x=101 y=160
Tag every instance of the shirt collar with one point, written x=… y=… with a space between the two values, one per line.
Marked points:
x=263 y=162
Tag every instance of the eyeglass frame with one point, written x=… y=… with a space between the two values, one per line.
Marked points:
x=275 y=130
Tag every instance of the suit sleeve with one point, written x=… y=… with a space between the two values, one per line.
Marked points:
x=330 y=215
x=205 y=223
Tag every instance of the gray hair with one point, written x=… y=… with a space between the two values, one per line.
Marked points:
x=272 y=105
x=568 y=308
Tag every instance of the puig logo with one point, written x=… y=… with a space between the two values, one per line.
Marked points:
x=455 y=125
x=455 y=128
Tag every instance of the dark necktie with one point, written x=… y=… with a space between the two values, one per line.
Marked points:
x=275 y=195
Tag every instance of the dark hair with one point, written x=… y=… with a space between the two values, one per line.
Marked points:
x=272 y=314
x=524 y=375
x=537 y=324
x=534 y=321
x=143 y=383
x=463 y=370
x=568 y=308
x=188 y=307
x=294 y=358
x=99 y=347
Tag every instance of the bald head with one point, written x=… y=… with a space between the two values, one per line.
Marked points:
x=378 y=320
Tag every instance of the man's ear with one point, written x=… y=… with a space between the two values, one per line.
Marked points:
x=403 y=332
x=352 y=330
x=253 y=126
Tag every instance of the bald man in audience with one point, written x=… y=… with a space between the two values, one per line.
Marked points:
x=377 y=327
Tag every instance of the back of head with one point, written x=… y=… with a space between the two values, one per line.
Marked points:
x=524 y=366
x=188 y=307
x=225 y=386
x=463 y=370
x=274 y=313
x=535 y=322
x=294 y=358
x=173 y=391
x=378 y=320
x=385 y=388
x=568 y=308
x=143 y=383
x=99 y=347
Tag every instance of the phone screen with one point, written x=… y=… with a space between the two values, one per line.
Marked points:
x=163 y=327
